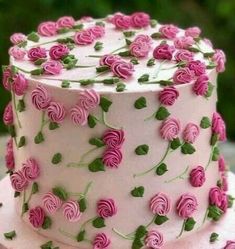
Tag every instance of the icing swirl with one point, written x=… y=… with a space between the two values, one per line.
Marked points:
x=19 y=84
x=183 y=76
x=170 y=129
x=197 y=67
x=65 y=22
x=112 y=157
x=106 y=208
x=56 y=52
x=8 y=115
x=186 y=205
x=31 y=169
x=154 y=239
x=183 y=55
x=40 y=98
x=220 y=59
x=140 y=20
x=37 y=53
x=121 y=21
x=36 y=216
x=97 y=31
x=56 y=112
x=163 y=52
x=114 y=138
x=89 y=99
x=160 y=204
x=183 y=42
x=193 y=32
x=101 y=241
x=200 y=86
x=6 y=78
x=79 y=115
x=18 y=181
x=169 y=31
x=197 y=176
x=17 y=38
x=122 y=69
x=168 y=96
x=52 y=67
x=51 y=202
x=9 y=157
x=109 y=59
x=71 y=211
x=221 y=164
x=218 y=126
x=139 y=49
x=47 y=28
x=84 y=37
x=190 y=133
x=17 y=53
x=215 y=196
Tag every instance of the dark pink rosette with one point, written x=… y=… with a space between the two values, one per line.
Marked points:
x=193 y=32
x=183 y=42
x=8 y=115
x=140 y=19
x=224 y=201
x=224 y=180
x=112 y=157
x=183 y=76
x=122 y=69
x=197 y=67
x=47 y=28
x=40 y=97
x=215 y=196
x=56 y=52
x=218 y=126
x=9 y=157
x=163 y=52
x=51 y=203
x=109 y=59
x=154 y=239
x=139 y=49
x=56 y=112
x=97 y=31
x=220 y=59
x=79 y=115
x=65 y=22
x=197 y=176
x=114 y=138
x=52 y=67
x=19 y=84
x=106 y=208
x=31 y=169
x=71 y=211
x=17 y=38
x=170 y=129
x=84 y=37
x=183 y=55
x=186 y=205
x=18 y=181
x=230 y=245
x=168 y=95
x=89 y=99
x=160 y=204
x=121 y=21
x=169 y=31
x=36 y=216
x=190 y=133
x=200 y=86
x=221 y=164
x=37 y=53
x=17 y=52
x=101 y=241
x=6 y=78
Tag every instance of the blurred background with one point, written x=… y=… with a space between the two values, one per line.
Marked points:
x=215 y=17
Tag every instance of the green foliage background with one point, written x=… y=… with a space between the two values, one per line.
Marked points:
x=215 y=17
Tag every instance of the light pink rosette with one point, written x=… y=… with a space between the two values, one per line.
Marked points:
x=122 y=69
x=200 y=86
x=114 y=138
x=121 y=21
x=56 y=52
x=170 y=129
x=9 y=157
x=17 y=38
x=168 y=95
x=101 y=241
x=71 y=211
x=224 y=180
x=52 y=67
x=86 y=19
x=183 y=76
x=163 y=52
x=36 y=216
x=143 y=38
x=197 y=176
x=230 y=245
x=97 y=31
x=56 y=112
x=19 y=84
x=140 y=19
x=193 y=32
x=220 y=59
x=183 y=55
x=106 y=208
x=218 y=126
x=112 y=157
x=31 y=169
x=190 y=133
x=186 y=205
x=183 y=42
x=215 y=196
x=109 y=59
x=40 y=97
x=84 y=37
x=221 y=164
x=89 y=99
x=8 y=114
x=51 y=202
x=79 y=115
x=17 y=52
x=224 y=201
x=6 y=78
x=47 y=28
x=37 y=53
x=160 y=204
x=139 y=49
x=18 y=181
x=169 y=31
x=197 y=67
x=65 y=22
x=154 y=239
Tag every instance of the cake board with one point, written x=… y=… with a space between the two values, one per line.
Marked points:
x=26 y=238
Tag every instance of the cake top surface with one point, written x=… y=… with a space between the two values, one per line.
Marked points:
x=117 y=53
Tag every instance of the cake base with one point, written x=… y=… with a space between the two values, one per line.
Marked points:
x=28 y=239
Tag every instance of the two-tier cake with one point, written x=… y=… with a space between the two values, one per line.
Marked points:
x=115 y=133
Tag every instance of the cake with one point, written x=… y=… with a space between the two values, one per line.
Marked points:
x=114 y=132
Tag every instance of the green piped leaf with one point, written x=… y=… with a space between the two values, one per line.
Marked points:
x=33 y=36
x=98 y=222
x=60 y=192
x=53 y=125
x=16 y=194
x=38 y=71
x=11 y=130
x=214 y=139
x=140 y=103
x=39 y=61
x=160 y=219
x=47 y=245
x=102 y=69
x=205 y=123
x=120 y=87
x=129 y=33
x=142 y=149
x=138 y=191
x=141 y=231
x=210 y=90
x=57 y=158
x=134 y=61
x=153 y=23
x=39 y=138
x=161 y=169
x=96 y=165
x=230 y=201
x=162 y=113
x=97 y=142
x=105 y=104
x=215 y=154
x=214 y=237
x=187 y=148
x=143 y=78
x=81 y=236
x=189 y=224
x=156 y=35
x=65 y=84
x=92 y=121
x=83 y=205
x=214 y=213
x=137 y=244
x=22 y=141
x=47 y=222
x=35 y=188
x=25 y=207
x=151 y=62
x=21 y=106
x=10 y=235
x=175 y=143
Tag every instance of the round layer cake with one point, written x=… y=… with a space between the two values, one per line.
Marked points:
x=115 y=131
